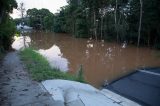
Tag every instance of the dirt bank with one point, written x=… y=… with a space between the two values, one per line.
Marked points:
x=17 y=88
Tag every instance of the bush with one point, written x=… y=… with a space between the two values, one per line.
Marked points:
x=7 y=30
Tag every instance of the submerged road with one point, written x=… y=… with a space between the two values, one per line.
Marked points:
x=142 y=86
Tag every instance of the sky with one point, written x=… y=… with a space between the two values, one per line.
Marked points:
x=52 y=5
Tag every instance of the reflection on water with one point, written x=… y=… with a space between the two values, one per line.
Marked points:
x=18 y=43
x=101 y=61
x=124 y=44
x=54 y=56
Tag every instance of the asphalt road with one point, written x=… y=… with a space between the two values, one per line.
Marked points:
x=142 y=87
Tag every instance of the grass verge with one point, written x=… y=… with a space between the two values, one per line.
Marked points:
x=40 y=69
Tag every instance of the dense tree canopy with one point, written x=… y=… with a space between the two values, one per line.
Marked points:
x=40 y=19
x=7 y=26
x=111 y=20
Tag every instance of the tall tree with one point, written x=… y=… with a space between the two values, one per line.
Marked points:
x=115 y=18
x=22 y=11
x=140 y=22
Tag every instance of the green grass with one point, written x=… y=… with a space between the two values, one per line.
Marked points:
x=40 y=69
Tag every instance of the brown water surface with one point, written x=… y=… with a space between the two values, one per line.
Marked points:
x=101 y=60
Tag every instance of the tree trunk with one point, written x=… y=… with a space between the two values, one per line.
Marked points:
x=119 y=23
x=105 y=27
x=115 y=18
x=73 y=30
x=148 y=38
x=95 y=26
x=2 y=13
x=140 y=22
x=22 y=10
x=1 y=17
x=101 y=28
x=24 y=38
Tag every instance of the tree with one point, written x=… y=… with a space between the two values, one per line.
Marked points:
x=116 y=18
x=7 y=26
x=22 y=10
x=49 y=22
x=140 y=22
x=149 y=34
x=41 y=19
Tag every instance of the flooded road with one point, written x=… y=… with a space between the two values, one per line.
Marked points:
x=101 y=60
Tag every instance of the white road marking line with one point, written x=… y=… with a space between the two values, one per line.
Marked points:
x=148 y=72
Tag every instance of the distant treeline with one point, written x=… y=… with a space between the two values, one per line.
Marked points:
x=134 y=21
x=40 y=19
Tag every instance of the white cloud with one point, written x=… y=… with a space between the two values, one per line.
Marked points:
x=52 y=5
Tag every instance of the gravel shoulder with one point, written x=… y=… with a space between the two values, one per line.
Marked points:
x=17 y=88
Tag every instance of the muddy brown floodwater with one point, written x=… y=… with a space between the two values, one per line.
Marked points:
x=101 y=60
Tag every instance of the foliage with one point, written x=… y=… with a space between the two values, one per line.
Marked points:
x=17 y=21
x=6 y=7
x=59 y=22
x=41 y=19
x=7 y=26
x=48 y=22
x=7 y=30
x=39 y=67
